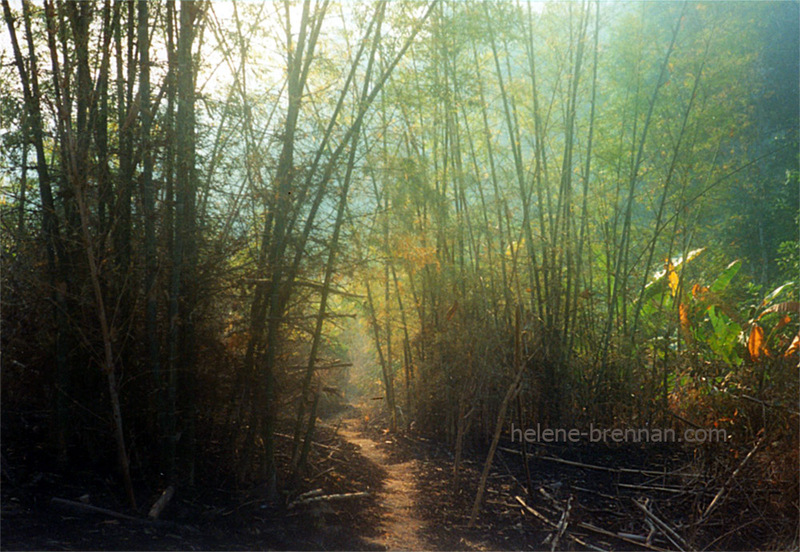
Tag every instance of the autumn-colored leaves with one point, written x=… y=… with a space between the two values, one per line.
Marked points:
x=709 y=319
x=758 y=345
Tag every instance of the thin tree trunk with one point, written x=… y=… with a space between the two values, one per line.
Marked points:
x=181 y=296
x=586 y=175
x=297 y=463
x=108 y=354
x=148 y=198
x=386 y=375
x=56 y=261
x=620 y=276
x=407 y=357
x=512 y=391
x=658 y=227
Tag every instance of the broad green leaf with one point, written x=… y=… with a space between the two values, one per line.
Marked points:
x=726 y=333
x=726 y=276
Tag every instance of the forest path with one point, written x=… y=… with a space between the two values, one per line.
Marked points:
x=401 y=527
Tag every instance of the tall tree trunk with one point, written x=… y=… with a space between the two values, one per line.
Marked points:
x=182 y=298
x=586 y=174
x=148 y=200
x=388 y=384
x=511 y=392
x=299 y=462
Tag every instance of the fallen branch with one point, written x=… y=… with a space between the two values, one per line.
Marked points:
x=80 y=506
x=89 y=509
x=327 y=498
x=676 y=539
x=601 y=468
x=604 y=532
x=723 y=491
x=161 y=503
x=552 y=524
x=309 y=494
x=562 y=525
x=675 y=490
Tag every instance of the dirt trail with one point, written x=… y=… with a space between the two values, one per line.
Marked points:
x=401 y=528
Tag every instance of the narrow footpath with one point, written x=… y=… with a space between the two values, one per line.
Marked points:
x=401 y=527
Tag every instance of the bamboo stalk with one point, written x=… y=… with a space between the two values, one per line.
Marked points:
x=513 y=389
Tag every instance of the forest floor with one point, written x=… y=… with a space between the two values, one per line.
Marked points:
x=400 y=495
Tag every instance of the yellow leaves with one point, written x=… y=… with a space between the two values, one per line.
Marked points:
x=683 y=312
x=418 y=256
x=672 y=277
x=756 y=344
x=698 y=290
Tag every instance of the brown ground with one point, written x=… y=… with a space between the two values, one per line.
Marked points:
x=400 y=526
x=412 y=503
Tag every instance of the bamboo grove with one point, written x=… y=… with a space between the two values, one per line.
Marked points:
x=567 y=212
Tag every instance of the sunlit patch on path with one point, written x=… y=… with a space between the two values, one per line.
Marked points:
x=401 y=527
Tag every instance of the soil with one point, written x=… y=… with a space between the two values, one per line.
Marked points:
x=401 y=526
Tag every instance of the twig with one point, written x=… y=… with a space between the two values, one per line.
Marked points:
x=684 y=420
x=6 y=472
x=589 y=527
x=315 y=443
x=592 y=491
x=601 y=531
x=676 y=490
x=723 y=491
x=320 y=474
x=771 y=405
x=511 y=392
x=543 y=518
x=299 y=367
x=95 y=509
x=676 y=539
x=562 y=525
x=601 y=468
x=309 y=284
x=732 y=531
